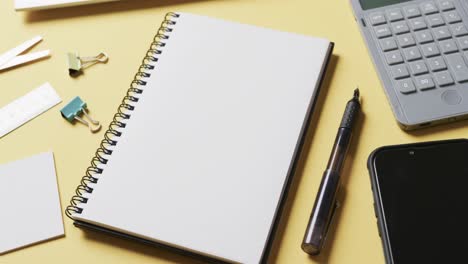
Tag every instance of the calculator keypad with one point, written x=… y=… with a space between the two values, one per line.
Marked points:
x=412 y=54
x=377 y=18
x=452 y=17
x=446 y=5
x=463 y=43
x=418 y=67
x=437 y=64
x=400 y=71
x=458 y=66
x=441 y=33
x=388 y=44
x=443 y=78
x=406 y=40
x=417 y=23
x=411 y=11
x=430 y=50
x=383 y=31
x=435 y=20
x=425 y=45
x=400 y=27
x=424 y=36
x=424 y=82
x=406 y=86
x=429 y=8
x=394 y=15
x=394 y=57
x=458 y=30
x=448 y=46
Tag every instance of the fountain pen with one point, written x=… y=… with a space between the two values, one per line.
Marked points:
x=326 y=200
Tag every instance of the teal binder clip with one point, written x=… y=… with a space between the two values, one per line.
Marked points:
x=74 y=109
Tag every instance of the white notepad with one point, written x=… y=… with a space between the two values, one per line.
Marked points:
x=204 y=160
x=29 y=202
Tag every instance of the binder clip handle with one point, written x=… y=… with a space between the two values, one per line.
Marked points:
x=101 y=57
x=76 y=64
x=95 y=127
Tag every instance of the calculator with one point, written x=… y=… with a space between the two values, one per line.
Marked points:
x=420 y=51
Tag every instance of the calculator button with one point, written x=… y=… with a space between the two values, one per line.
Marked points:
x=424 y=36
x=393 y=57
x=399 y=71
x=458 y=30
x=437 y=64
x=394 y=15
x=377 y=18
x=435 y=20
x=443 y=78
x=417 y=23
x=388 y=44
x=448 y=46
x=406 y=86
x=382 y=31
x=424 y=82
x=406 y=40
x=445 y=5
x=412 y=54
x=452 y=17
x=458 y=67
x=411 y=11
x=463 y=42
x=400 y=27
x=418 y=67
x=441 y=33
x=429 y=8
x=430 y=50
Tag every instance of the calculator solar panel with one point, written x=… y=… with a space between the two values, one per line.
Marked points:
x=420 y=49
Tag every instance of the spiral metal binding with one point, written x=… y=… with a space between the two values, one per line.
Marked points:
x=119 y=121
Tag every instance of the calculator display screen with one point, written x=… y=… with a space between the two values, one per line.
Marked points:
x=368 y=4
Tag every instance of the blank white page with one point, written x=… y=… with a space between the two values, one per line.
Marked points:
x=29 y=201
x=203 y=160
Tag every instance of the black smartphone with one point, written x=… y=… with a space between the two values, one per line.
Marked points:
x=421 y=201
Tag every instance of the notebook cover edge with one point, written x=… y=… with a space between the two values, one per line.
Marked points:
x=186 y=253
x=285 y=192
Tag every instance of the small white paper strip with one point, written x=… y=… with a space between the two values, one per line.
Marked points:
x=27 y=107
x=11 y=54
x=27 y=58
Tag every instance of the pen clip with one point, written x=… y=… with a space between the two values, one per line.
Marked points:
x=332 y=219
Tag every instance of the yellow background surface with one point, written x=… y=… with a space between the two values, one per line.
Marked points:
x=124 y=30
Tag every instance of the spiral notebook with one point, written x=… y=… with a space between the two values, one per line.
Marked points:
x=201 y=153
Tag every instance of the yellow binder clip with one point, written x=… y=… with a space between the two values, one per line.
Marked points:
x=76 y=64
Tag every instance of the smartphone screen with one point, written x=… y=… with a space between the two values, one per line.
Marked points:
x=424 y=197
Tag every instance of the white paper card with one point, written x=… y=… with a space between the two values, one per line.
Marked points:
x=27 y=107
x=43 y=4
x=29 y=201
